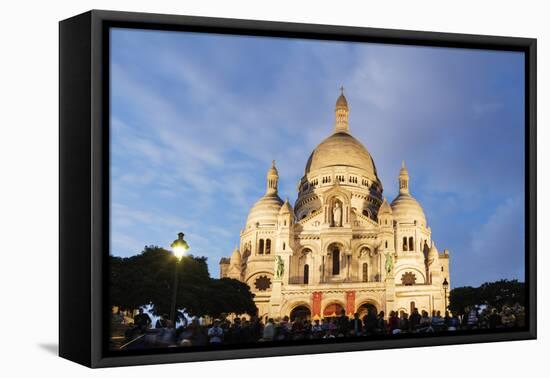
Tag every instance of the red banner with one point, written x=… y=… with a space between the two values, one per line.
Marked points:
x=317 y=296
x=350 y=302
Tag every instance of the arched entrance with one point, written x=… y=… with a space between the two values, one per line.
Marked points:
x=364 y=309
x=332 y=310
x=300 y=312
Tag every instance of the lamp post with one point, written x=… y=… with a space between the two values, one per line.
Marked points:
x=445 y=287
x=179 y=247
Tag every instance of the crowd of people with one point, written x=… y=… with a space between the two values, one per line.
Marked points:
x=253 y=329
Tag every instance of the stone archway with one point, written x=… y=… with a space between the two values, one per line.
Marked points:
x=333 y=309
x=364 y=309
x=300 y=312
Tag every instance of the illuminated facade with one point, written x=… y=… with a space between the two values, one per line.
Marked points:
x=342 y=246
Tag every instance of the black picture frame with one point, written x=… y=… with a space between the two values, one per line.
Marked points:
x=84 y=172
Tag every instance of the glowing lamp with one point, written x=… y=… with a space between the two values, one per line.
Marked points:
x=179 y=246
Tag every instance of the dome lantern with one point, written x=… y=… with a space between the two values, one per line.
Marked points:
x=272 y=179
x=403 y=179
x=341 y=111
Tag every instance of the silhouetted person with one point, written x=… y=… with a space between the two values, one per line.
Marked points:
x=142 y=321
x=370 y=321
x=162 y=322
x=356 y=325
x=414 y=319
x=343 y=322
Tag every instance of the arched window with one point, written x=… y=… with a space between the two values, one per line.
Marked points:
x=404 y=243
x=411 y=244
x=386 y=244
x=306 y=274
x=284 y=246
x=365 y=272
x=261 y=247
x=335 y=261
x=268 y=246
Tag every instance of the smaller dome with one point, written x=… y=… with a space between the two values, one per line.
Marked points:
x=265 y=210
x=406 y=209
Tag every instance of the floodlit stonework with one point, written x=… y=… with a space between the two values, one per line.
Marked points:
x=342 y=246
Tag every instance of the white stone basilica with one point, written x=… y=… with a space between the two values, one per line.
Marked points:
x=342 y=246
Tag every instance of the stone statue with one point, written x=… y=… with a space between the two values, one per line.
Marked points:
x=279 y=267
x=389 y=262
x=337 y=215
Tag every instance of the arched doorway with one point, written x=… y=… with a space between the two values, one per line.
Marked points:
x=364 y=309
x=300 y=312
x=332 y=310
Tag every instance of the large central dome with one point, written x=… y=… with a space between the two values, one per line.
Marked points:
x=340 y=149
x=342 y=160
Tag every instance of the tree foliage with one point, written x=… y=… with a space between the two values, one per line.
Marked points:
x=495 y=294
x=149 y=278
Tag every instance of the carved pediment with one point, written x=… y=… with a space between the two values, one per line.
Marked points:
x=360 y=221
x=313 y=220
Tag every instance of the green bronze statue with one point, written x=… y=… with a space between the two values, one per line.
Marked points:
x=279 y=267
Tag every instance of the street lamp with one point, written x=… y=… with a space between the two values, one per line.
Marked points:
x=445 y=287
x=179 y=247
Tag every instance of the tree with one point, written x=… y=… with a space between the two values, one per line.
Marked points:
x=495 y=294
x=462 y=297
x=148 y=278
x=502 y=293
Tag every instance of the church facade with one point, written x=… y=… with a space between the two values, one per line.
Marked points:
x=342 y=245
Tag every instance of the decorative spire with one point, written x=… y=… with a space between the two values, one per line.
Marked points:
x=342 y=112
x=235 y=257
x=272 y=179
x=403 y=179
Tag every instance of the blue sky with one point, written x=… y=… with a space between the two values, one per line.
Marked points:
x=196 y=120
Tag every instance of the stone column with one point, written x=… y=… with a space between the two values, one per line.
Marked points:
x=390 y=292
x=276 y=299
x=348 y=265
x=286 y=272
x=323 y=270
